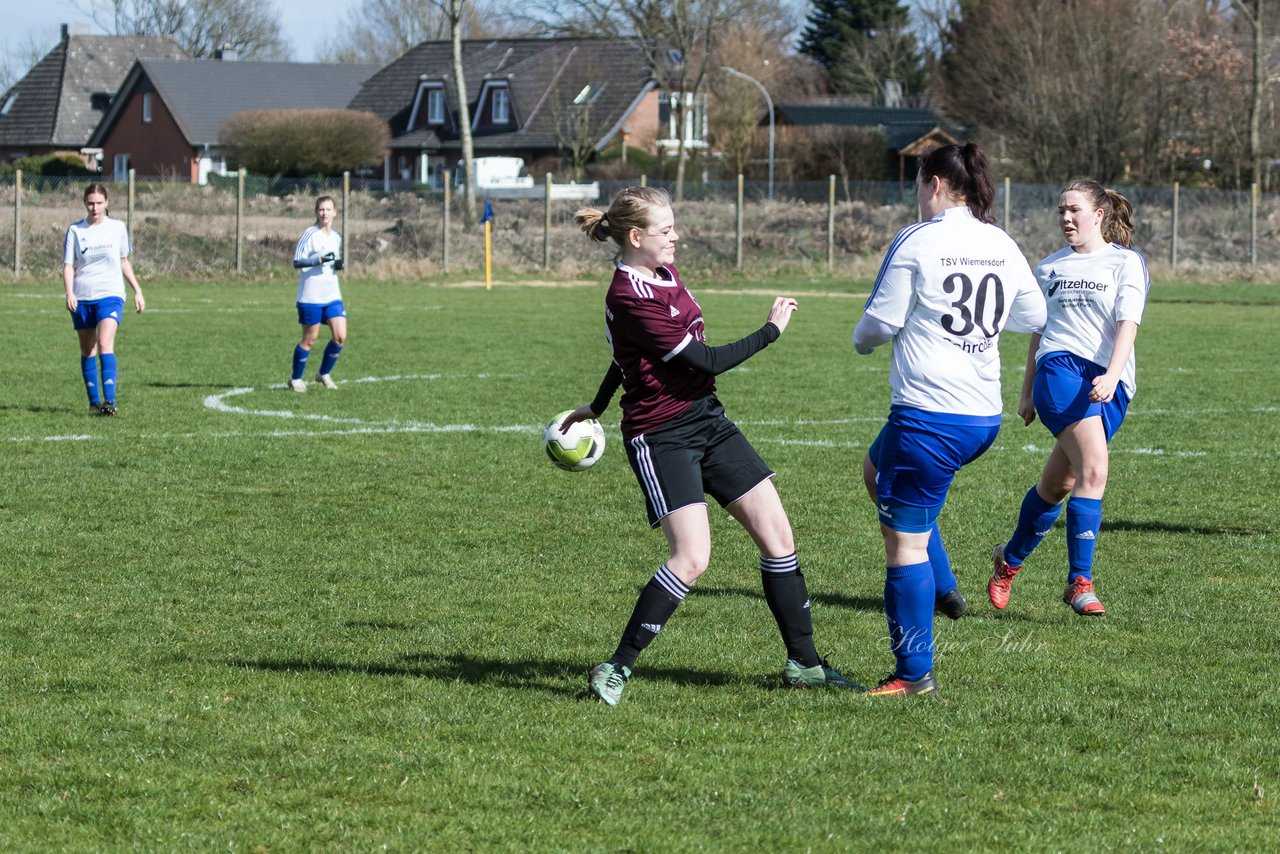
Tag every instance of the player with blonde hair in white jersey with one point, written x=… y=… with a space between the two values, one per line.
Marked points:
x=948 y=286
x=1079 y=379
x=95 y=266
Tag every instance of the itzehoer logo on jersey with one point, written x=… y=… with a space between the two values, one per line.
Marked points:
x=1073 y=284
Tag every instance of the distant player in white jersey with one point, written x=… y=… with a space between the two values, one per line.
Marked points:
x=1079 y=379
x=681 y=445
x=948 y=287
x=318 y=258
x=95 y=266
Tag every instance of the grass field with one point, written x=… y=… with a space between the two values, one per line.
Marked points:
x=241 y=619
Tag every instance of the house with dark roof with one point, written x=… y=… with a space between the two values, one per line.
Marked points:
x=908 y=132
x=166 y=119
x=56 y=106
x=528 y=98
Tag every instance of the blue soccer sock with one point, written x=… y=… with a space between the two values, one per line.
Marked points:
x=89 y=370
x=1084 y=522
x=788 y=600
x=944 y=580
x=299 y=362
x=908 y=605
x=109 y=373
x=658 y=601
x=1035 y=520
x=331 y=353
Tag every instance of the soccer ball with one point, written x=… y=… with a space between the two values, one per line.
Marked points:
x=578 y=448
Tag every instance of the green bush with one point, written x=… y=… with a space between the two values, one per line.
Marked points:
x=300 y=143
x=53 y=165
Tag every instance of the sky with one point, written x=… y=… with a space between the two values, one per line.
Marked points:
x=303 y=28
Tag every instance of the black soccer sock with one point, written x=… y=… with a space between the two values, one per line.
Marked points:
x=657 y=602
x=788 y=598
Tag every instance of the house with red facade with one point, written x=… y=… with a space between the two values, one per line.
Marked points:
x=534 y=98
x=54 y=108
x=166 y=118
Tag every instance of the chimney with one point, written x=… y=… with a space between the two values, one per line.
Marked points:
x=227 y=53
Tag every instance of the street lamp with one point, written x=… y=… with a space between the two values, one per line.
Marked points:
x=763 y=91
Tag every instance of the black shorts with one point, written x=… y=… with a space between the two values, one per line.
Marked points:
x=700 y=452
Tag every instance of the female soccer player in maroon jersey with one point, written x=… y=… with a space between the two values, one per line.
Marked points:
x=680 y=444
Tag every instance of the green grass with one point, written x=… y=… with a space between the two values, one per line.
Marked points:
x=364 y=618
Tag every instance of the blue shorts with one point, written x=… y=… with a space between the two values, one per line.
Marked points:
x=313 y=314
x=917 y=455
x=89 y=313
x=1061 y=394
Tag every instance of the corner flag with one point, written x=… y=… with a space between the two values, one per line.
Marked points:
x=488 y=212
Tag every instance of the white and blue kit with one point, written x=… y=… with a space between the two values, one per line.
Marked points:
x=318 y=257
x=1088 y=295
x=94 y=252
x=946 y=290
x=317 y=279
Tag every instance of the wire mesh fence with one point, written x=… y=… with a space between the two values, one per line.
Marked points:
x=408 y=230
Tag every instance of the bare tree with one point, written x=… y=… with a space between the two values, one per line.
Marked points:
x=455 y=12
x=680 y=39
x=755 y=45
x=379 y=31
x=18 y=58
x=202 y=27
x=1060 y=87
x=1251 y=11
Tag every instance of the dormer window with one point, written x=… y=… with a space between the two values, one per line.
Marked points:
x=501 y=106
x=435 y=106
x=428 y=106
x=494 y=110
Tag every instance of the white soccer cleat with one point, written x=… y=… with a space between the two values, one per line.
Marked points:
x=326 y=381
x=297 y=385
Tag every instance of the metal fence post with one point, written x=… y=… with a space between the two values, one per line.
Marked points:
x=546 y=223
x=737 y=220
x=17 y=223
x=444 y=235
x=831 y=222
x=1173 y=243
x=240 y=175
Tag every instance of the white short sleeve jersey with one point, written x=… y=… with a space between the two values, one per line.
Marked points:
x=95 y=252
x=317 y=282
x=1088 y=294
x=950 y=286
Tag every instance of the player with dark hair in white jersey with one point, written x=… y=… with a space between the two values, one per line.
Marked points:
x=1079 y=379
x=948 y=286
x=95 y=266
x=318 y=258
x=680 y=443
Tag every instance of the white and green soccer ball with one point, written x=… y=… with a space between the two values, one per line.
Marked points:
x=578 y=448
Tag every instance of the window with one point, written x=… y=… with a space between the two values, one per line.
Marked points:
x=435 y=107
x=501 y=106
x=8 y=104
x=146 y=108
x=691 y=115
x=120 y=167
x=428 y=107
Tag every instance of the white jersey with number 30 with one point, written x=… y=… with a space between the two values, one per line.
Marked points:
x=950 y=286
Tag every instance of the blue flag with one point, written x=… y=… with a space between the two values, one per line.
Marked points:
x=488 y=212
